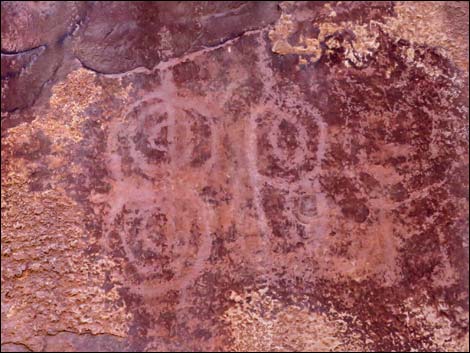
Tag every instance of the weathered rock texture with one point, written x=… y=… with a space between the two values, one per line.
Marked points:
x=234 y=176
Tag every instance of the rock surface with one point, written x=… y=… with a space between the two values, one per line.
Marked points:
x=206 y=176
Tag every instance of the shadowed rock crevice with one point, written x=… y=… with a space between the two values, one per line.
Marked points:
x=145 y=34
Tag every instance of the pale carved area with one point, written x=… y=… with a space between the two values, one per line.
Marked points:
x=270 y=191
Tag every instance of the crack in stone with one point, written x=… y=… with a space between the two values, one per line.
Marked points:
x=18 y=344
x=21 y=52
x=50 y=79
x=48 y=334
x=163 y=65
x=234 y=11
x=34 y=56
x=40 y=91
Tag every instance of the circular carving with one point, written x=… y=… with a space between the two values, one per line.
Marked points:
x=287 y=144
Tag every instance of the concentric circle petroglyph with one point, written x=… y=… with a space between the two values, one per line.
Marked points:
x=161 y=247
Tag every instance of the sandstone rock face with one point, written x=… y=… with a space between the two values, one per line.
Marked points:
x=234 y=176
